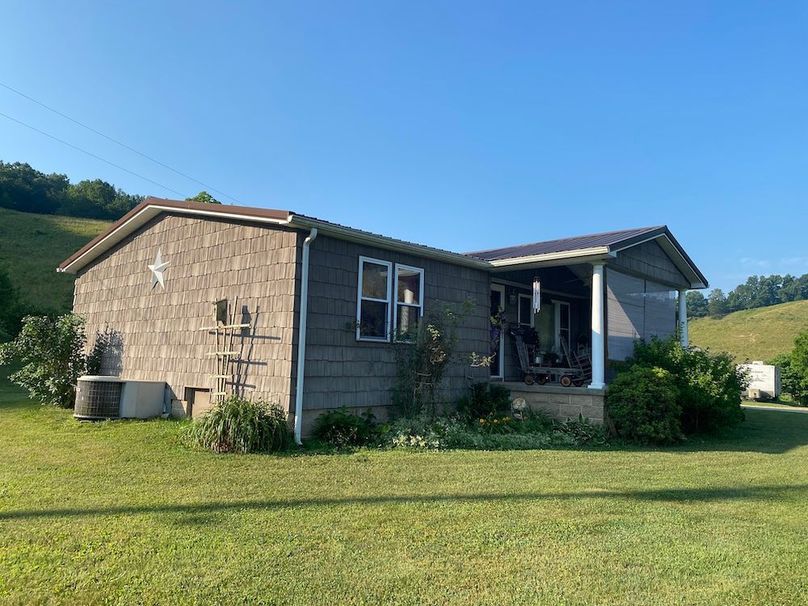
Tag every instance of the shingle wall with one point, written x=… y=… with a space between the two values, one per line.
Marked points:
x=341 y=371
x=650 y=261
x=158 y=329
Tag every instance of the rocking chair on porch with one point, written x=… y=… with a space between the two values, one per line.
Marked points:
x=577 y=371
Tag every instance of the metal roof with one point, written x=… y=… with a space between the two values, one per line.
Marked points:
x=607 y=239
x=579 y=247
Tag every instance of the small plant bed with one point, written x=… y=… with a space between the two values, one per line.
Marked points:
x=242 y=426
x=484 y=420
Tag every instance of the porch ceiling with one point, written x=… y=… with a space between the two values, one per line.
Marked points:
x=572 y=279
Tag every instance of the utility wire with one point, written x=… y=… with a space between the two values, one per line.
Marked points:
x=124 y=145
x=91 y=154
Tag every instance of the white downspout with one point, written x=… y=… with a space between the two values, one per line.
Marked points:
x=301 y=337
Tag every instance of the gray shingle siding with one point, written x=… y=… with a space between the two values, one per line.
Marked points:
x=341 y=371
x=650 y=261
x=208 y=260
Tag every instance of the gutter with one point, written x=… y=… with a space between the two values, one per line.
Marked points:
x=600 y=251
x=301 y=337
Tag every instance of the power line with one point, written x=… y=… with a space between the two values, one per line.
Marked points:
x=124 y=145
x=91 y=154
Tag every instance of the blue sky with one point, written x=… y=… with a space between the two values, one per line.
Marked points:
x=458 y=124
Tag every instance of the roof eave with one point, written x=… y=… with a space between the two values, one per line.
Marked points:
x=582 y=255
x=675 y=252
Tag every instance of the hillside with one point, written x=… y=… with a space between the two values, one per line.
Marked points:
x=31 y=246
x=754 y=334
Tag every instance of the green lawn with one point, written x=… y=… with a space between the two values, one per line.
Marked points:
x=120 y=513
x=32 y=246
x=752 y=334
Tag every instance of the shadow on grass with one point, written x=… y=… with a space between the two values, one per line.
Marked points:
x=203 y=513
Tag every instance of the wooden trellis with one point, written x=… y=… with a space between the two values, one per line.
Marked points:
x=224 y=353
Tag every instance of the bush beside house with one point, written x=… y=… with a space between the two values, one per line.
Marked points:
x=238 y=425
x=706 y=390
x=50 y=352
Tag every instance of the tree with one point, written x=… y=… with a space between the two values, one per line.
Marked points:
x=50 y=352
x=717 y=303
x=25 y=189
x=99 y=200
x=794 y=369
x=795 y=289
x=204 y=197
x=799 y=359
x=10 y=308
x=696 y=304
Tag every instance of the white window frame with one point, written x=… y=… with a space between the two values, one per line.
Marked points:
x=360 y=298
x=396 y=303
x=519 y=310
x=557 y=309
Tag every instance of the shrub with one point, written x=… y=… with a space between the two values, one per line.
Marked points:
x=535 y=431
x=51 y=352
x=709 y=386
x=642 y=406
x=423 y=356
x=794 y=369
x=484 y=400
x=11 y=309
x=582 y=432
x=792 y=382
x=240 y=425
x=342 y=429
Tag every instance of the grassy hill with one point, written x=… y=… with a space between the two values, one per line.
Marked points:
x=31 y=246
x=754 y=334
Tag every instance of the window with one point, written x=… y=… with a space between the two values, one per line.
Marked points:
x=373 y=301
x=409 y=300
x=220 y=309
x=525 y=312
x=384 y=293
x=562 y=324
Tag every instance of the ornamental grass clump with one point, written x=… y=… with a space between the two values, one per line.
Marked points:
x=241 y=426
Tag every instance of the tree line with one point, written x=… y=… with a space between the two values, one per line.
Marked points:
x=26 y=189
x=757 y=291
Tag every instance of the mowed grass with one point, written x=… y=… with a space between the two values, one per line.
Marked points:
x=32 y=246
x=120 y=513
x=752 y=334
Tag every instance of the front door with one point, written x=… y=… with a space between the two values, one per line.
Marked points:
x=497 y=336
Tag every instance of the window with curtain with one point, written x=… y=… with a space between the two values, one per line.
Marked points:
x=409 y=301
x=390 y=301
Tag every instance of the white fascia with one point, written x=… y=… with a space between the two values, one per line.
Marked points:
x=583 y=255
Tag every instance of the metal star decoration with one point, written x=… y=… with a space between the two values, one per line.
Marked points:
x=157 y=270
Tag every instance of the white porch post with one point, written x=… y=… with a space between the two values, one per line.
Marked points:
x=598 y=344
x=683 y=318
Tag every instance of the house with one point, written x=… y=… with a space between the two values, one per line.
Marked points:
x=313 y=306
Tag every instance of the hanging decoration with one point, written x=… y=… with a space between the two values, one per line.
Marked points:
x=536 y=295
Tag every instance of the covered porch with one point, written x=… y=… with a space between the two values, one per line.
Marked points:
x=583 y=299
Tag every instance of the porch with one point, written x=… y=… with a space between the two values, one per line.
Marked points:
x=587 y=298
